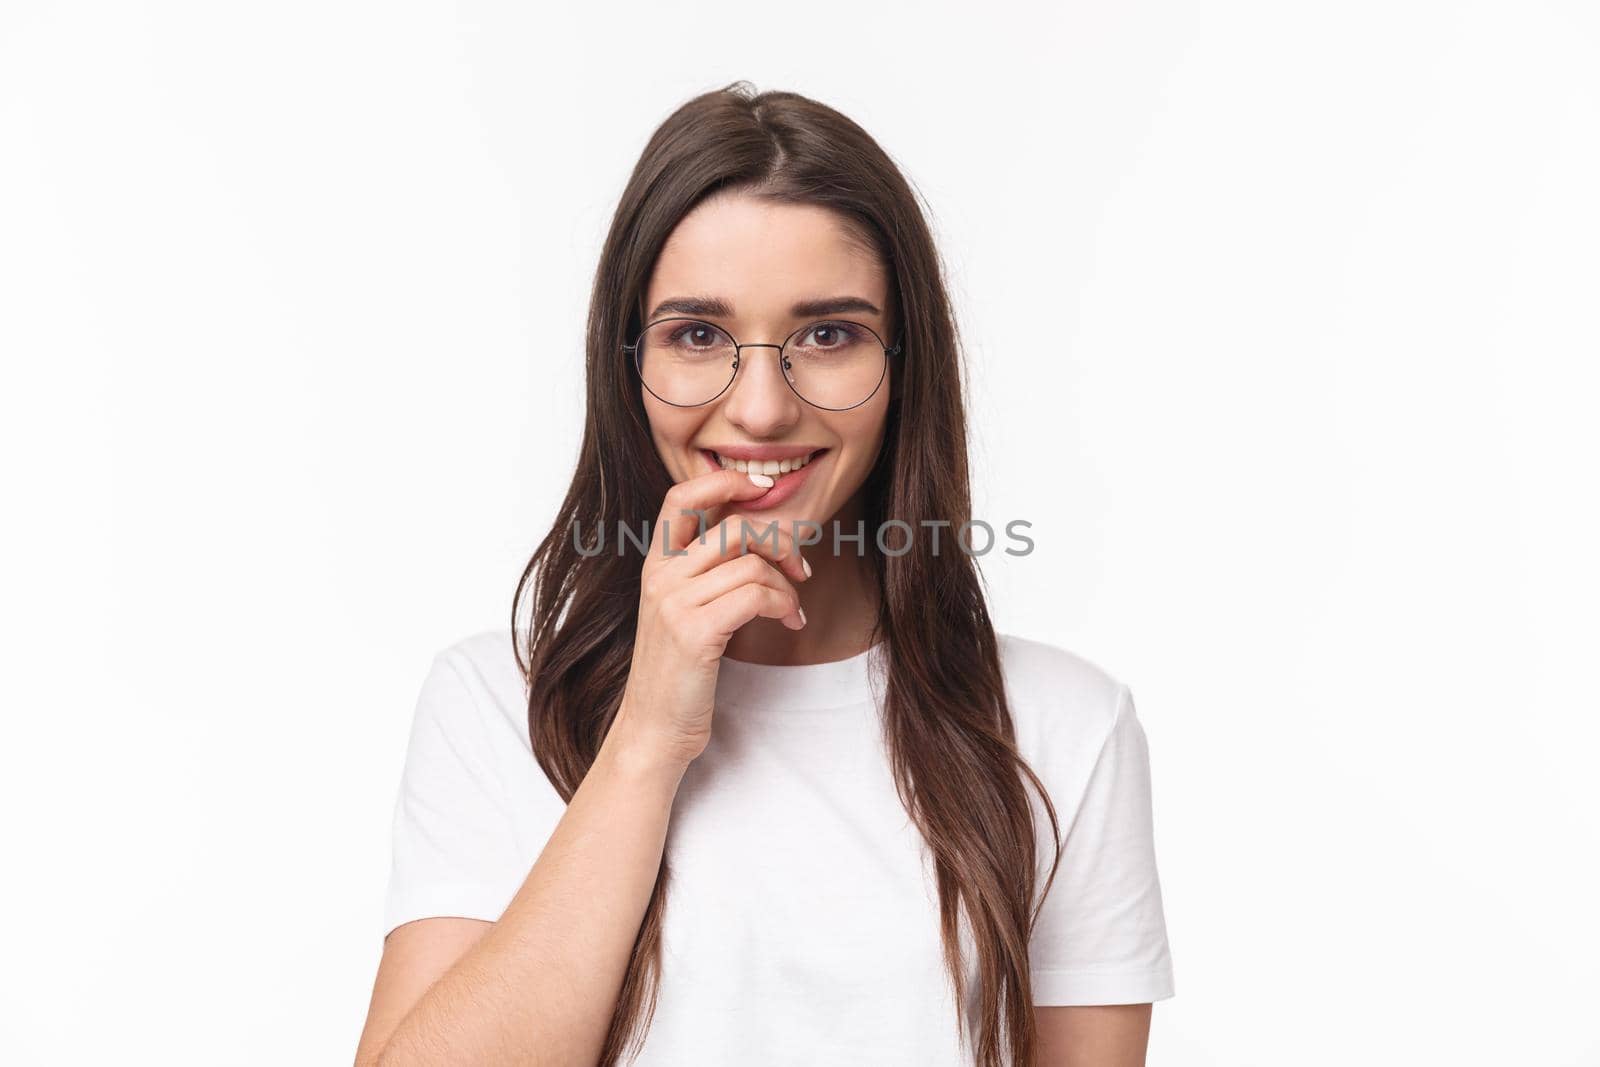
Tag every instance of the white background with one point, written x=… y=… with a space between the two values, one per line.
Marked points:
x=1281 y=322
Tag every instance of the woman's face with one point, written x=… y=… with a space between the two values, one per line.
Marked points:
x=750 y=266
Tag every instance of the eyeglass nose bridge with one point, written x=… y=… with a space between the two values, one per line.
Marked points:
x=738 y=353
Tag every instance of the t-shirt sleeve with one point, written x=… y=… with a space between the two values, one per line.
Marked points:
x=1101 y=936
x=457 y=847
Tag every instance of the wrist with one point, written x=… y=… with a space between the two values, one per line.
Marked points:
x=638 y=754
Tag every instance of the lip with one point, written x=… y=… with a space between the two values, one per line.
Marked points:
x=763 y=451
x=784 y=485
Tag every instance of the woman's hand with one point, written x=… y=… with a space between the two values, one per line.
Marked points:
x=693 y=595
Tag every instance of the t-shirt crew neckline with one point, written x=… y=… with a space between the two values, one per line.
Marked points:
x=837 y=683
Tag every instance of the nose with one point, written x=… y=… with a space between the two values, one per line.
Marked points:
x=760 y=401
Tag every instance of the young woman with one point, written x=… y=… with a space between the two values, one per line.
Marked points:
x=757 y=782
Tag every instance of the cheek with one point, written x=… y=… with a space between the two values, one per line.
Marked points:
x=668 y=425
x=671 y=429
x=867 y=433
x=863 y=438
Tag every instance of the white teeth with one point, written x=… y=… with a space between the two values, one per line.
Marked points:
x=759 y=466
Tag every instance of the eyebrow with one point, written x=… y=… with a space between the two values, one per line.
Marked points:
x=714 y=307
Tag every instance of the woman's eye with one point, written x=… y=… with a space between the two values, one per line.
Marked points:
x=828 y=335
x=697 y=336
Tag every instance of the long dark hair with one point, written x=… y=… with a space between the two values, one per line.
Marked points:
x=948 y=730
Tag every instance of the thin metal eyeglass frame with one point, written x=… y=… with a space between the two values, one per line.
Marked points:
x=632 y=351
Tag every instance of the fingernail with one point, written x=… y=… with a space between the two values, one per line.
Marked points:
x=802 y=612
x=764 y=480
x=806 y=566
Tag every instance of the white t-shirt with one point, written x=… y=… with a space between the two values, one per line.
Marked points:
x=802 y=922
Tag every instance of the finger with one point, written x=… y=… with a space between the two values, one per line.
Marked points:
x=766 y=538
x=733 y=609
x=726 y=577
x=676 y=525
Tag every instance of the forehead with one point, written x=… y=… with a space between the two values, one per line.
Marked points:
x=761 y=256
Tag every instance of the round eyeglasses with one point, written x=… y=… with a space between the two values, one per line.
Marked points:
x=834 y=364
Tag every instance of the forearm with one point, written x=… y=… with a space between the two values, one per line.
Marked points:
x=541 y=986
